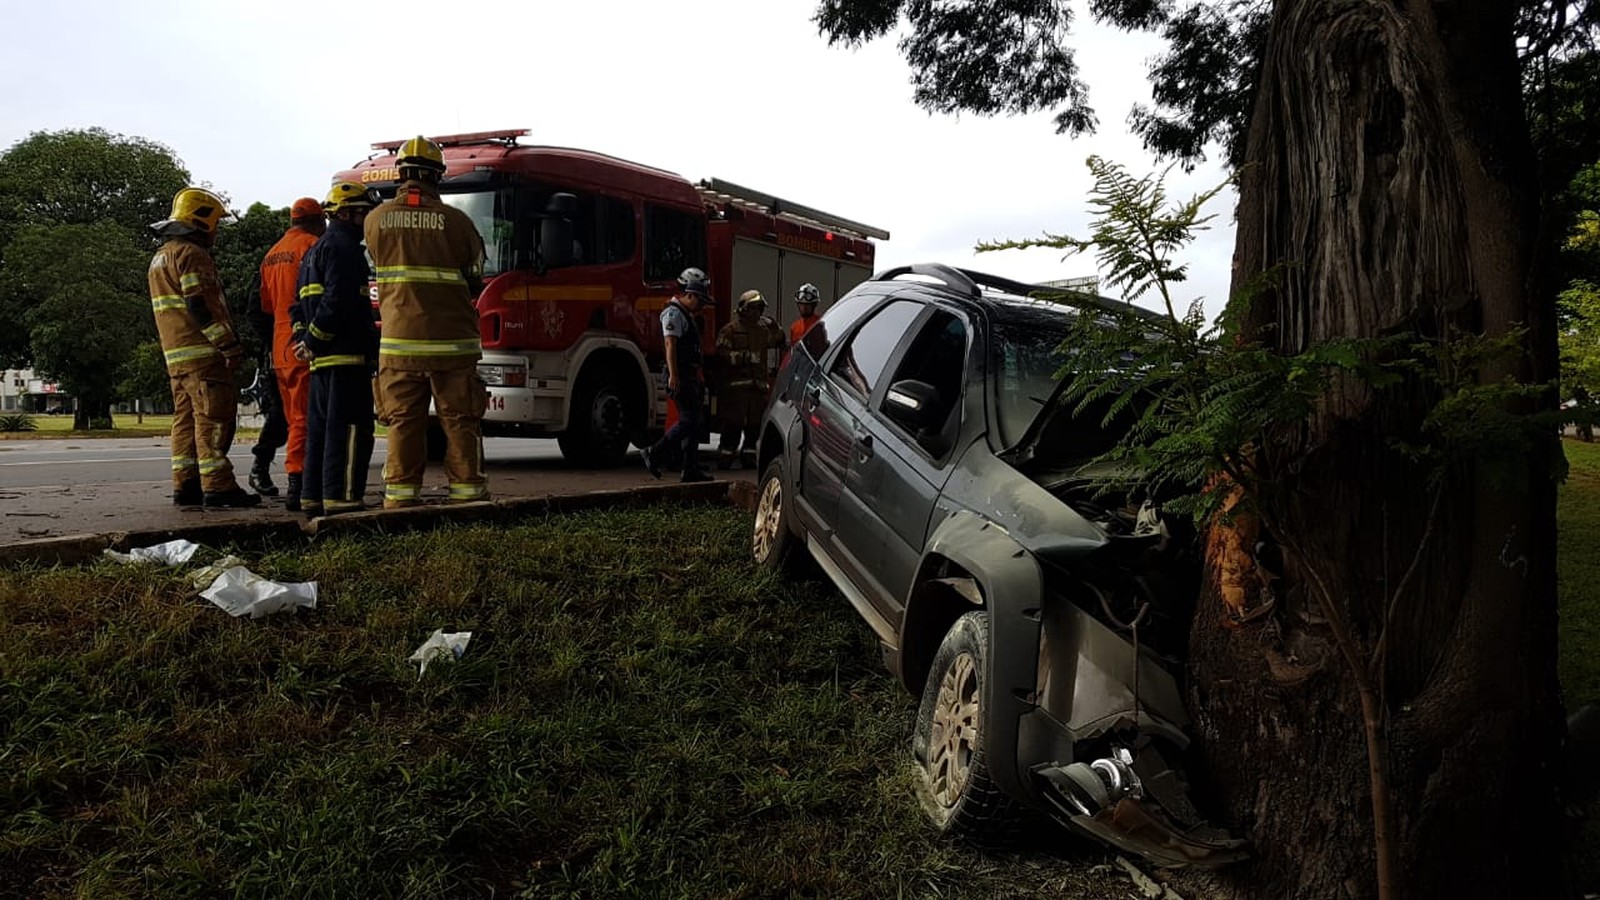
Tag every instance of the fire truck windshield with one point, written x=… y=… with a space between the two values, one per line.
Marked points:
x=490 y=211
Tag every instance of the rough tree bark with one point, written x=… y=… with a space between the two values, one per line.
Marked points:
x=1389 y=174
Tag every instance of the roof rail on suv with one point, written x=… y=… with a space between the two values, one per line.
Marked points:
x=951 y=277
x=971 y=283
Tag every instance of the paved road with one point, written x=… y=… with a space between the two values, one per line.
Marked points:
x=56 y=487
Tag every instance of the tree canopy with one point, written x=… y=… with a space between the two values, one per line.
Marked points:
x=1014 y=56
x=74 y=247
x=112 y=184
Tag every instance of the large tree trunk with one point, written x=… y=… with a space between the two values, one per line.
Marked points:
x=1389 y=174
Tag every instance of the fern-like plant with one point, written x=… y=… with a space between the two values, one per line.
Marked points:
x=18 y=422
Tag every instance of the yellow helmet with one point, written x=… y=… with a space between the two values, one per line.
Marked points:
x=198 y=208
x=348 y=195
x=420 y=153
x=751 y=300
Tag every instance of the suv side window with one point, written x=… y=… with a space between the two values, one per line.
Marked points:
x=937 y=357
x=868 y=352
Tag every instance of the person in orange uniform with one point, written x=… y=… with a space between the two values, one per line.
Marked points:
x=806 y=299
x=429 y=262
x=280 y=272
x=201 y=350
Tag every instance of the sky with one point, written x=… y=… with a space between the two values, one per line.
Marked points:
x=265 y=102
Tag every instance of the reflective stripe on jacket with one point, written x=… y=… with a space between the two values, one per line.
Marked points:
x=333 y=308
x=427 y=256
x=191 y=315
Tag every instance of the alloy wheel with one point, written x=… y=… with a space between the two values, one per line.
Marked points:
x=954 y=733
x=769 y=518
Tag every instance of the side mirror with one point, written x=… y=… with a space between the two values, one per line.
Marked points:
x=915 y=405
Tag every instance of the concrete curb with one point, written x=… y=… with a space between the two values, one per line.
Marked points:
x=77 y=548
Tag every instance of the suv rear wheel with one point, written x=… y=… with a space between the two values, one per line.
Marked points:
x=957 y=790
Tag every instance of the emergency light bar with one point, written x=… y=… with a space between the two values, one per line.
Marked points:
x=508 y=137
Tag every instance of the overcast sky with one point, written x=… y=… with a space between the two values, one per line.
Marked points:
x=266 y=101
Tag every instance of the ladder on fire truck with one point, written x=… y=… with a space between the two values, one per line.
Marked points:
x=507 y=138
x=718 y=190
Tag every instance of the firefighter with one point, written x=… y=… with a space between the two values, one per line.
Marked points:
x=429 y=261
x=334 y=330
x=201 y=350
x=806 y=299
x=746 y=378
x=681 y=335
x=280 y=273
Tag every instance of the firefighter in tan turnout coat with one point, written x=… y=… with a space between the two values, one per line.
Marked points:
x=428 y=259
x=201 y=350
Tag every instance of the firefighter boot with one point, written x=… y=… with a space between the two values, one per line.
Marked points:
x=236 y=498
x=291 y=500
x=261 y=481
x=189 y=494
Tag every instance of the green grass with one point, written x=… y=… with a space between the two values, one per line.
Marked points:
x=127 y=425
x=1578 y=589
x=640 y=713
x=1578 y=574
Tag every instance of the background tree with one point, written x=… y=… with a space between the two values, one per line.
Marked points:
x=1388 y=186
x=240 y=245
x=50 y=184
x=143 y=378
x=88 y=307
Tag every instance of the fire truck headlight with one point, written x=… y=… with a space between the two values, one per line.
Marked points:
x=504 y=376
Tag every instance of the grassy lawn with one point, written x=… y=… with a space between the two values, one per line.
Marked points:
x=640 y=714
x=1578 y=574
x=127 y=425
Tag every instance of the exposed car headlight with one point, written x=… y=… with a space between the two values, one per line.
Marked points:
x=504 y=376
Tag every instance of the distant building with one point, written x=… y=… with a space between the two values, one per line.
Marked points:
x=23 y=391
x=1088 y=284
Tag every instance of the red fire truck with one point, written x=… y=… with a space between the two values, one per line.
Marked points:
x=582 y=252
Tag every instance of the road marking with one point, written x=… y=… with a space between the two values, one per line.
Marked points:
x=79 y=462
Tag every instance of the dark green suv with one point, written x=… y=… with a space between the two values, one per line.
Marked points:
x=914 y=451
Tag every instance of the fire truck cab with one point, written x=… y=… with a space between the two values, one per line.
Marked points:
x=583 y=250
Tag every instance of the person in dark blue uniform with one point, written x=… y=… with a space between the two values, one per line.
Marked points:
x=334 y=330
x=681 y=336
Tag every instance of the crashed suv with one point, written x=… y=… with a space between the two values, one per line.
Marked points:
x=914 y=449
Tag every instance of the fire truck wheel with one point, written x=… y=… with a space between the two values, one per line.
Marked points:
x=599 y=424
x=436 y=441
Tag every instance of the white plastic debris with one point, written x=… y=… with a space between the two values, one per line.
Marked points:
x=438 y=645
x=172 y=553
x=202 y=578
x=239 y=591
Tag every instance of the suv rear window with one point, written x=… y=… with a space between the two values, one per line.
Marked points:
x=837 y=320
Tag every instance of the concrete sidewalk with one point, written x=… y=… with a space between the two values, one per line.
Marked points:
x=242 y=526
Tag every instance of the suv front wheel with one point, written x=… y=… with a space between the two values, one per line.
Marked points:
x=957 y=790
x=772 y=544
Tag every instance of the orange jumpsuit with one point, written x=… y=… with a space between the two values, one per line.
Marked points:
x=280 y=273
x=799 y=327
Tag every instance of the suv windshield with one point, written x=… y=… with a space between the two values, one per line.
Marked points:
x=490 y=212
x=1026 y=351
